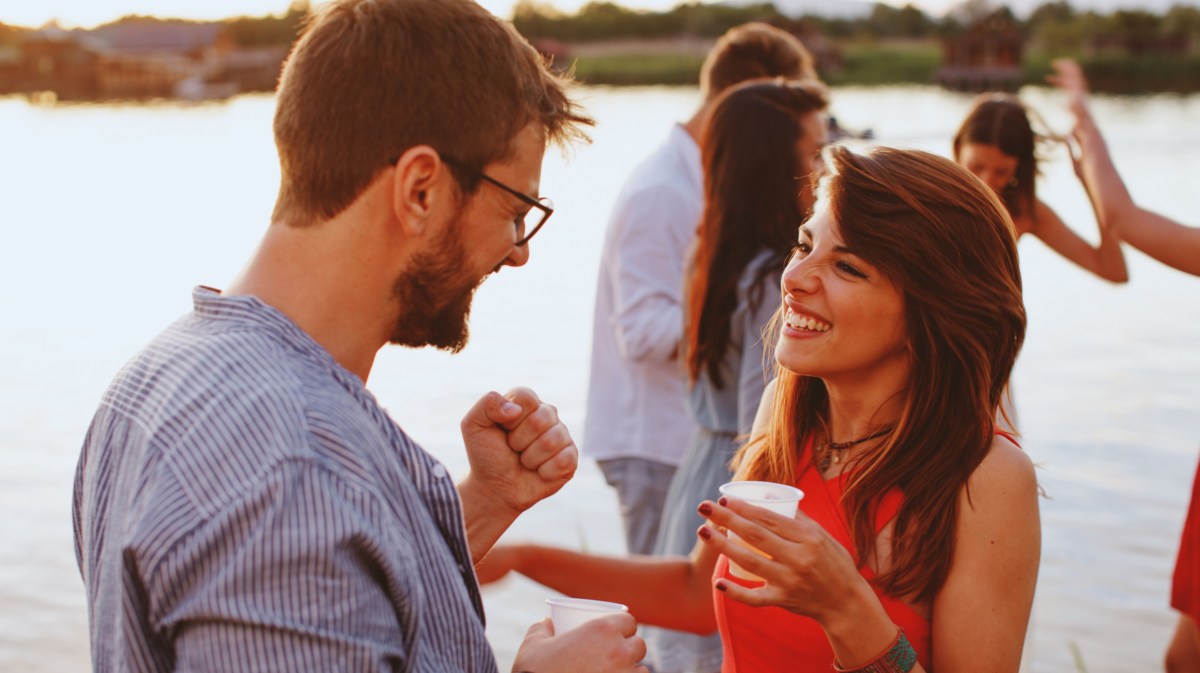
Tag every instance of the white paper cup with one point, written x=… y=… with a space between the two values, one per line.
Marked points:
x=567 y=613
x=779 y=498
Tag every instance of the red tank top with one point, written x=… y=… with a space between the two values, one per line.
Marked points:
x=762 y=640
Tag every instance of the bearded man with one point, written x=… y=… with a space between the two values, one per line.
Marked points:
x=242 y=503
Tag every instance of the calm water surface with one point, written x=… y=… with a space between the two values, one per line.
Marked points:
x=112 y=213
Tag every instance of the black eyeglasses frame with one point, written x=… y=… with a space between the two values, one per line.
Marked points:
x=543 y=205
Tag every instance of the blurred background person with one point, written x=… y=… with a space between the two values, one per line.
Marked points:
x=997 y=143
x=637 y=425
x=759 y=148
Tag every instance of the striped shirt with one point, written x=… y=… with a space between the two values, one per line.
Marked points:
x=242 y=503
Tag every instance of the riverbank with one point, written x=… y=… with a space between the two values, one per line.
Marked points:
x=873 y=63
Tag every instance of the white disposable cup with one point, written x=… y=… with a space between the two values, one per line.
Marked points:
x=567 y=613
x=779 y=498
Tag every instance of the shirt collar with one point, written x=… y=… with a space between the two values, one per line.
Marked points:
x=250 y=312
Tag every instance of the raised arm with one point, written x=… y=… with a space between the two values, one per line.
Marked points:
x=520 y=453
x=1164 y=239
x=1105 y=260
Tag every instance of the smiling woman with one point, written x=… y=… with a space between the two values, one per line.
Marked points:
x=903 y=320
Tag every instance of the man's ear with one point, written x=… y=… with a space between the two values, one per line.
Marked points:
x=421 y=186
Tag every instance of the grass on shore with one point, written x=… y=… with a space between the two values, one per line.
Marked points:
x=887 y=63
x=878 y=63
x=629 y=69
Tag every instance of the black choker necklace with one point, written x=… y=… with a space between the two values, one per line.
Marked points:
x=833 y=450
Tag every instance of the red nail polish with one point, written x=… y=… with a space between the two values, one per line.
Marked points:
x=723 y=501
x=705 y=508
x=705 y=533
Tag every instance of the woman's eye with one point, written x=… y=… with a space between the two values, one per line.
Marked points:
x=850 y=269
x=801 y=249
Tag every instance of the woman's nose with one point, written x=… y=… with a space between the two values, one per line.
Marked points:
x=800 y=277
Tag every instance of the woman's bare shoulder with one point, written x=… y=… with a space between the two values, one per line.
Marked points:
x=1006 y=471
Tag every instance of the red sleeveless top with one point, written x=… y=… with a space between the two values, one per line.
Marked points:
x=762 y=640
x=1185 y=584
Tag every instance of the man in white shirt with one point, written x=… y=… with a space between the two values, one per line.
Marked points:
x=637 y=426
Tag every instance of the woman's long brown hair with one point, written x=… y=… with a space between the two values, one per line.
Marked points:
x=752 y=179
x=950 y=246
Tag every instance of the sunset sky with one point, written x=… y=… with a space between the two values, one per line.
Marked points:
x=88 y=13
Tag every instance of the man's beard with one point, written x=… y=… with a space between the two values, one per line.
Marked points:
x=435 y=295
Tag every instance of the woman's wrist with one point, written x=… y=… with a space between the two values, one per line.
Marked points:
x=860 y=629
x=899 y=657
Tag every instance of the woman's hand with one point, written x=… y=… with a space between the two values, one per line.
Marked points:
x=1069 y=77
x=808 y=572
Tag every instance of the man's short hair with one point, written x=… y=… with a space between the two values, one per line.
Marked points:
x=370 y=79
x=754 y=51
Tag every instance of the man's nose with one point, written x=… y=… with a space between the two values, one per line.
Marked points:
x=518 y=256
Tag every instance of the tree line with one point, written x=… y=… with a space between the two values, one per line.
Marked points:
x=1053 y=25
x=244 y=31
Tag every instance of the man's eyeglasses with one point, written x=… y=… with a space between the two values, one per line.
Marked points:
x=526 y=223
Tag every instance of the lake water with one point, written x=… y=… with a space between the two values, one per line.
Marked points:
x=111 y=214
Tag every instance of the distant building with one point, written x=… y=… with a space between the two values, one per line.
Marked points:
x=152 y=59
x=137 y=60
x=986 y=56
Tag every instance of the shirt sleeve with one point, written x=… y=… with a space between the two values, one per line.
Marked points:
x=293 y=576
x=655 y=230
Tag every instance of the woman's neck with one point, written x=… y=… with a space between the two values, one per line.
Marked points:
x=856 y=411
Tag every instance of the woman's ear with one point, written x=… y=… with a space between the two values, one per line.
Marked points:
x=422 y=186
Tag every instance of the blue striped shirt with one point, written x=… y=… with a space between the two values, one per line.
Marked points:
x=242 y=503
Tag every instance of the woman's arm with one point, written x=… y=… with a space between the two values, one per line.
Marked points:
x=981 y=614
x=1105 y=260
x=673 y=592
x=1163 y=239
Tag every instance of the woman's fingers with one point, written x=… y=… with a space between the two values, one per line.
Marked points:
x=772 y=533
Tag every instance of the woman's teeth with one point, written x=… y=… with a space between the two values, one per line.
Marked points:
x=806 y=322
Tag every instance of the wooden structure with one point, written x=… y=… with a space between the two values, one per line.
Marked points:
x=138 y=60
x=987 y=56
x=53 y=60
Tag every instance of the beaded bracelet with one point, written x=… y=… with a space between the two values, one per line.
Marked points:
x=899 y=658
